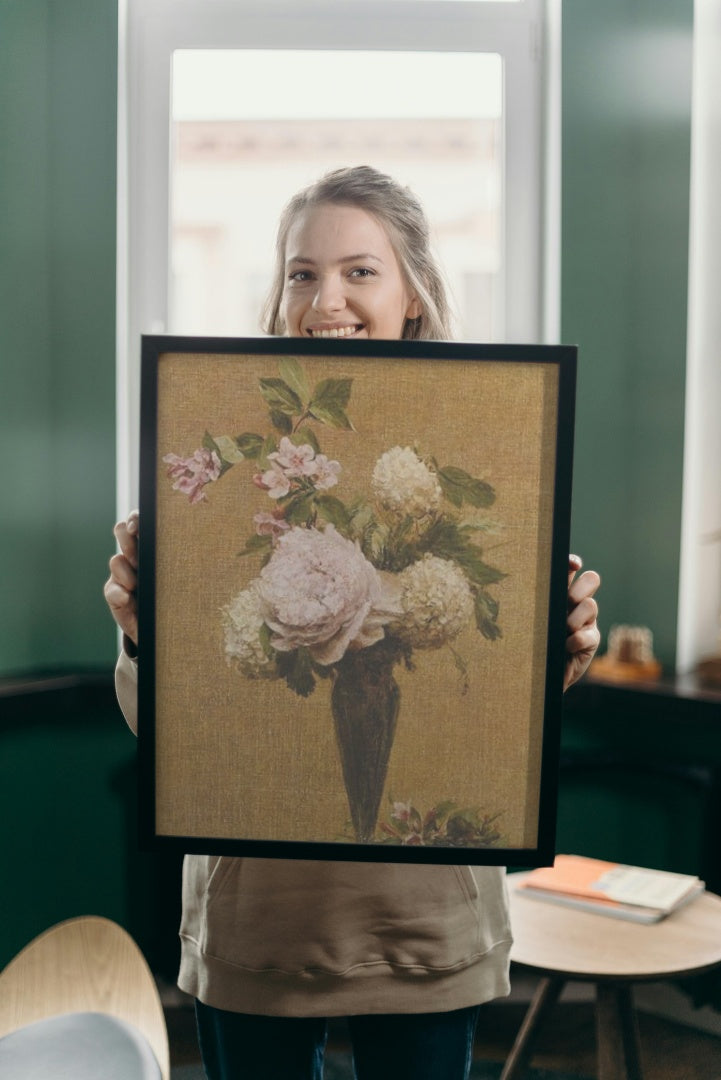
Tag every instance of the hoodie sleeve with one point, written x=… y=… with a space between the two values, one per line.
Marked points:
x=126 y=687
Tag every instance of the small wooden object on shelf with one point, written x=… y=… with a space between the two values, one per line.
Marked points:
x=629 y=657
x=709 y=670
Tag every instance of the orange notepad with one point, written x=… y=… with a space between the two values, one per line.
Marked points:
x=608 y=888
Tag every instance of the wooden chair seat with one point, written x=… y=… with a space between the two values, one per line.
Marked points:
x=84 y=965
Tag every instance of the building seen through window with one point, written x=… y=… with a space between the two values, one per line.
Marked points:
x=231 y=175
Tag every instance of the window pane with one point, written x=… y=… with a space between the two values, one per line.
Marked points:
x=252 y=127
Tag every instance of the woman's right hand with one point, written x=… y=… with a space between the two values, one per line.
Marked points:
x=121 y=587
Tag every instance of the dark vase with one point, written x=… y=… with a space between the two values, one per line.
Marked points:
x=365 y=700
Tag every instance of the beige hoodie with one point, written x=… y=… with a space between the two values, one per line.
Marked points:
x=284 y=937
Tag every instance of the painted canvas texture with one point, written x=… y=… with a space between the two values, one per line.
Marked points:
x=419 y=494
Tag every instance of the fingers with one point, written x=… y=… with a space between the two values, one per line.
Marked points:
x=126 y=533
x=584 y=641
x=575 y=562
x=584 y=586
x=123 y=572
x=121 y=587
x=123 y=608
x=584 y=613
x=582 y=633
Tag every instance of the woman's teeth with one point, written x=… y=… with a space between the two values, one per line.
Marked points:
x=337 y=331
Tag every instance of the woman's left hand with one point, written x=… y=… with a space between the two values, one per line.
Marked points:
x=582 y=634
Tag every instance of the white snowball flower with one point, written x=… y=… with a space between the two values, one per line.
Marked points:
x=437 y=603
x=318 y=590
x=404 y=484
x=242 y=623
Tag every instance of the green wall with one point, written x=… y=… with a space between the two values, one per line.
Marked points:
x=626 y=137
x=67 y=772
x=626 y=127
x=58 y=72
x=625 y=200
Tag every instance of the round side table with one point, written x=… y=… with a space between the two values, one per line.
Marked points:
x=563 y=944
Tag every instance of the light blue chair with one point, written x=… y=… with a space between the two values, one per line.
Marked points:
x=80 y=1003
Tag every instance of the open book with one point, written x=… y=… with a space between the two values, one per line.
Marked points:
x=608 y=888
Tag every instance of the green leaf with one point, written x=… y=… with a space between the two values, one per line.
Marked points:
x=332 y=392
x=209 y=443
x=254 y=544
x=300 y=508
x=443 y=810
x=297 y=670
x=362 y=523
x=361 y=514
x=400 y=533
x=460 y=831
x=228 y=449
x=281 y=421
x=330 y=398
x=269 y=447
x=462 y=667
x=305 y=436
x=333 y=417
x=249 y=444
x=446 y=540
x=264 y=635
x=280 y=396
x=376 y=540
x=321 y=671
x=479 y=572
x=486 y=609
x=334 y=512
x=459 y=486
x=293 y=374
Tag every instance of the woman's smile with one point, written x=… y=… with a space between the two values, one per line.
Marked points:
x=335 y=331
x=342 y=277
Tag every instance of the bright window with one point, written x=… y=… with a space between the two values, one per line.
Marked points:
x=227 y=107
x=236 y=160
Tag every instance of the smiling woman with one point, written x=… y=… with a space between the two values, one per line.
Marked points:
x=353 y=259
x=339 y=294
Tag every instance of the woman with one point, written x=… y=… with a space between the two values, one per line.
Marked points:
x=271 y=948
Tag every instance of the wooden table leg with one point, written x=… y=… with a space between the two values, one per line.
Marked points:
x=545 y=997
x=617 y=1033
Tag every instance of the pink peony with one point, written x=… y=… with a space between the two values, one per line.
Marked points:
x=319 y=591
x=193 y=473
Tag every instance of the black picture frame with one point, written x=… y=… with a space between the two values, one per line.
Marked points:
x=227 y=757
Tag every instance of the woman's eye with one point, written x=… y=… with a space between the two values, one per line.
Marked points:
x=300 y=276
x=362 y=272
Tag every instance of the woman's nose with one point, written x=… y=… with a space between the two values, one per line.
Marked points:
x=329 y=296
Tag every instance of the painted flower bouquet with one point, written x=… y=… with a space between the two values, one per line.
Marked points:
x=444 y=825
x=348 y=588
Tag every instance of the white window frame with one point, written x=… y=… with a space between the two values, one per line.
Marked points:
x=699 y=597
x=526 y=34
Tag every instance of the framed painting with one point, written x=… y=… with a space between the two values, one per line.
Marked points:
x=352 y=597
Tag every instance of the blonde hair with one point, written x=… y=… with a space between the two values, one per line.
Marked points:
x=403 y=217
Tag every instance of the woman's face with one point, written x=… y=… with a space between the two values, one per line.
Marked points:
x=342 y=277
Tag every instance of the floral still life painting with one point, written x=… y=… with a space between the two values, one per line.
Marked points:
x=360 y=565
x=347 y=589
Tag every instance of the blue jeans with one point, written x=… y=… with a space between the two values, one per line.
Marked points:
x=413 y=1046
